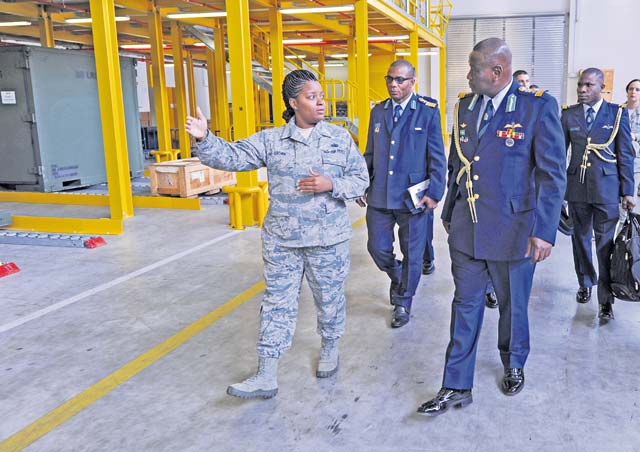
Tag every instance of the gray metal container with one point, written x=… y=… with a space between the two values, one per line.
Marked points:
x=50 y=126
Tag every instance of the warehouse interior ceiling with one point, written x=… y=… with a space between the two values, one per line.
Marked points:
x=330 y=30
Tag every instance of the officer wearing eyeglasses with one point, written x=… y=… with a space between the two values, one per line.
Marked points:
x=404 y=148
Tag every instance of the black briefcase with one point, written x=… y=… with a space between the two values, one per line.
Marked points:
x=625 y=261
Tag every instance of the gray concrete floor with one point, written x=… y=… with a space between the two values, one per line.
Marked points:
x=582 y=391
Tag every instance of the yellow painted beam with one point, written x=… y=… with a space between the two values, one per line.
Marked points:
x=335 y=25
x=443 y=94
x=413 y=50
x=362 y=70
x=321 y=62
x=66 y=225
x=180 y=91
x=220 y=82
x=191 y=83
x=54 y=198
x=114 y=133
x=71 y=199
x=138 y=5
x=160 y=95
x=352 y=77
x=213 y=98
x=240 y=47
x=46 y=27
x=34 y=32
x=277 y=65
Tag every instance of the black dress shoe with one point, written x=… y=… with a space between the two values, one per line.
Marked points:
x=446 y=399
x=605 y=311
x=428 y=267
x=400 y=317
x=583 y=295
x=513 y=381
x=490 y=300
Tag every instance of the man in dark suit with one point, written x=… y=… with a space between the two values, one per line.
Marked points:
x=404 y=148
x=600 y=172
x=505 y=187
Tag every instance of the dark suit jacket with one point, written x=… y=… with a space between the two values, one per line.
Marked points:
x=405 y=154
x=604 y=182
x=519 y=187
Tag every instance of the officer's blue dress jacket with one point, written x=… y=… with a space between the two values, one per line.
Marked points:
x=405 y=154
x=519 y=188
x=604 y=182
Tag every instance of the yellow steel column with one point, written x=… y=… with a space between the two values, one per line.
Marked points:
x=191 y=81
x=114 y=134
x=213 y=95
x=242 y=94
x=413 y=50
x=443 y=93
x=277 y=64
x=160 y=96
x=46 y=27
x=351 y=75
x=362 y=69
x=321 y=61
x=263 y=59
x=220 y=81
x=181 y=95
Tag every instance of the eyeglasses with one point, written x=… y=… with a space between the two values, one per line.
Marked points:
x=398 y=80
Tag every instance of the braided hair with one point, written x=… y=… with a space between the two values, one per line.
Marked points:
x=291 y=88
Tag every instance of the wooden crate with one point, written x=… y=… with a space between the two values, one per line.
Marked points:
x=187 y=178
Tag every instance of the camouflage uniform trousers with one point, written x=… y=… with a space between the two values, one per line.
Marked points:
x=325 y=267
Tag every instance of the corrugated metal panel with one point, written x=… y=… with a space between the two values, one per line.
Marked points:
x=537 y=44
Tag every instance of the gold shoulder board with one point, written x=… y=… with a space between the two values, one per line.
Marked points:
x=539 y=93
x=427 y=103
x=463 y=94
x=565 y=107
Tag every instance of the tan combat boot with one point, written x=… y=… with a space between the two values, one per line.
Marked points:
x=328 y=363
x=264 y=384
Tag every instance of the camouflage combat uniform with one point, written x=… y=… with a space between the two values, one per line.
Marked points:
x=303 y=233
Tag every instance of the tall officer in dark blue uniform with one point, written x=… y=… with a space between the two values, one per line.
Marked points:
x=506 y=183
x=404 y=147
x=600 y=172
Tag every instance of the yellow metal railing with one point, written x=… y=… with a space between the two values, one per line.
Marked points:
x=439 y=15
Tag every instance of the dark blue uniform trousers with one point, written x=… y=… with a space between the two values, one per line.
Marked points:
x=601 y=219
x=512 y=283
x=411 y=233
x=428 y=247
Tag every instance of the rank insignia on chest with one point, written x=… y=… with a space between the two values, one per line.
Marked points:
x=377 y=128
x=607 y=127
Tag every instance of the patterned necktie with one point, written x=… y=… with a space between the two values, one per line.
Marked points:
x=397 y=112
x=486 y=119
x=591 y=115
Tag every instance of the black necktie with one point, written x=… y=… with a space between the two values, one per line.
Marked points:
x=397 y=112
x=591 y=115
x=486 y=118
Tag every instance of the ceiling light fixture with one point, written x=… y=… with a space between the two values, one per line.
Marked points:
x=419 y=53
x=19 y=23
x=318 y=9
x=303 y=41
x=87 y=20
x=291 y=57
x=388 y=38
x=197 y=15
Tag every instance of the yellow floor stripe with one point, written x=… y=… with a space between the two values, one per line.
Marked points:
x=67 y=410
x=73 y=406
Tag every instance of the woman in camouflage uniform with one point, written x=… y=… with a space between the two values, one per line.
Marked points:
x=313 y=168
